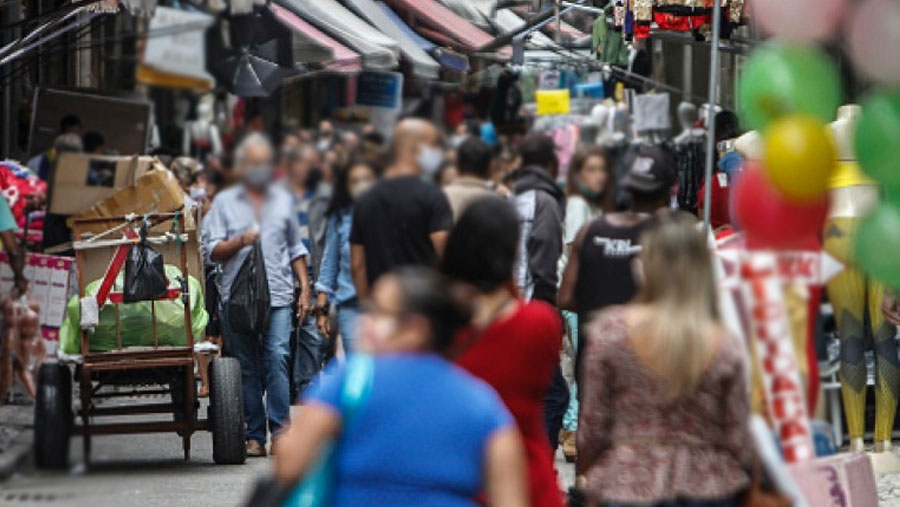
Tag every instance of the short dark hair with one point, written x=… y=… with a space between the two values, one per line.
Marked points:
x=538 y=150
x=91 y=140
x=474 y=157
x=481 y=249
x=428 y=294
x=69 y=122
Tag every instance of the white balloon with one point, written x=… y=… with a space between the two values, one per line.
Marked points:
x=874 y=36
x=798 y=20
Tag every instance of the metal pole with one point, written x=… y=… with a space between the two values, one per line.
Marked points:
x=711 y=112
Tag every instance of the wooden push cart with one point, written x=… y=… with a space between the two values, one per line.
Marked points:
x=126 y=374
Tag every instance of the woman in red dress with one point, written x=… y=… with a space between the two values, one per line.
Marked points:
x=511 y=344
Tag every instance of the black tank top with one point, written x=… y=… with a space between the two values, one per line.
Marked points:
x=605 y=275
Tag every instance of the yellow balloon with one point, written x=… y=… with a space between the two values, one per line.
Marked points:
x=800 y=157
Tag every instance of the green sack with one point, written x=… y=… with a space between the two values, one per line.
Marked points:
x=135 y=319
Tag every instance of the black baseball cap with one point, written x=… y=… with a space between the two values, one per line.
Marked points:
x=649 y=170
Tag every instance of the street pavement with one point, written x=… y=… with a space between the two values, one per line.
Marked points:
x=146 y=470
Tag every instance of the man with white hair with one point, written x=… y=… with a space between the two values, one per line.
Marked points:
x=257 y=210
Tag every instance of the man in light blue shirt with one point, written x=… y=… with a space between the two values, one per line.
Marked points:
x=258 y=209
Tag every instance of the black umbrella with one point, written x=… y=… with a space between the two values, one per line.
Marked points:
x=257 y=58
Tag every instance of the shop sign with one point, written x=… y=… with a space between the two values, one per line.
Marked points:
x=552 y=102
x=176 y=43
x=770 y=328
x=380 y=89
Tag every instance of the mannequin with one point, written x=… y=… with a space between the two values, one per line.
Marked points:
x=687 y=117
x=852 y=294
x=609 y=121
x=201 y=136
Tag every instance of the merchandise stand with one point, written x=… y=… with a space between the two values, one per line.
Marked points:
x=126 y=372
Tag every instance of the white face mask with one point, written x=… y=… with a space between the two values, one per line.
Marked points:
x=198 y=193
x=430 y=159
x=359 y=189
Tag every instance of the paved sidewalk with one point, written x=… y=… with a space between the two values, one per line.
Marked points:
x=16 y=423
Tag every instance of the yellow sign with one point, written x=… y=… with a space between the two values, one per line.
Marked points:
x=552 y=102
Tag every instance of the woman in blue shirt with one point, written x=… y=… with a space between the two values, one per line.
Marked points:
x=335 y=282
x=428 y=433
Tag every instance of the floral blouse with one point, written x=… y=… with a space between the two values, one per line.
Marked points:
x=641 y=446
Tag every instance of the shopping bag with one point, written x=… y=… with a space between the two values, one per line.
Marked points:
x=145 y=273
x=249 y=302
x=317 y=487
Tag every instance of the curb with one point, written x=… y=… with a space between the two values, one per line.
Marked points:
x=16 y=454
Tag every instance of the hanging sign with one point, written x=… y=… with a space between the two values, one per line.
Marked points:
x=552 y=102
x=380 y=89
x=176 y=44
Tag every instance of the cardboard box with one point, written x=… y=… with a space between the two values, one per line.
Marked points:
x=79 y=181
x=157 y=191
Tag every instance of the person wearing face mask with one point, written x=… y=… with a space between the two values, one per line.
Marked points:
x=586 y=194
x=402 y=220
x=326 y=136
x=257 y=210
x=310 y=201
x=335 y=282
x=457 y=440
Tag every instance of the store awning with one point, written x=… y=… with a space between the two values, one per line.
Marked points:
x=379 y=52
x=447 y=58
x=441 y=20
x=343 y=59
x=423 y=66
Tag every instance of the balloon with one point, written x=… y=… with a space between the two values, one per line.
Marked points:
x=798 y=20
x=800 y=156
x=876 y=243
x=874 y=38
x=877 y=139
x=768 y=218
x=785 y=79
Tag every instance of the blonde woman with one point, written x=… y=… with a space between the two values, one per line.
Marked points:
x=664 y=405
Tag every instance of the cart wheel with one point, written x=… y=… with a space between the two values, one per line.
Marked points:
x=53 y=416
x=226 y=411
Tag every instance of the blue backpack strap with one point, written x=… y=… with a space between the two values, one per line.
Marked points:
x=357 y=386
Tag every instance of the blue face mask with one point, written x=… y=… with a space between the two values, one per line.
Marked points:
x=259 y=177
x=588 y=193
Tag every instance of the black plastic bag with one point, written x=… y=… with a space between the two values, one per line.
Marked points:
x=249 y=303
x=145 y=274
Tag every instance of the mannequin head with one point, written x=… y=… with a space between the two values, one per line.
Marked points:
x=206 y=108
x=843 y=129
x=687 y=115
x=600 y=114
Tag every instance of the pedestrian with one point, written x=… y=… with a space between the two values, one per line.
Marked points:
x=511 y=344
x=586 y=195
x=427 y=433
x=446 y=174
x=402 y=220
x=241 y=215
x=665 y=405
x=335 y=282
x=599 y=272
x=541 y=206
x=473 y=159
x=310 y=201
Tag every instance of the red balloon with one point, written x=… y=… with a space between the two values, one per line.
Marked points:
x=769 y=219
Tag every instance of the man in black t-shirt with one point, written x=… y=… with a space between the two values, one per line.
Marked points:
x=599 y=273
x=402 y=220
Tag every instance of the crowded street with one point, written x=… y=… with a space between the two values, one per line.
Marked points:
x=448 y=253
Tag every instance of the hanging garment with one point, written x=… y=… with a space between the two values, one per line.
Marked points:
x=651 y=112
x=607 y=41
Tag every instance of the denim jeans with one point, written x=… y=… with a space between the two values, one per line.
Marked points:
x=348 y=319
x=570 y=421
x=309 y=355
x=556 y=402
x=264 y=372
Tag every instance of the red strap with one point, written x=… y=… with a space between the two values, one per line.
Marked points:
x=115 y=266
x=119 y=298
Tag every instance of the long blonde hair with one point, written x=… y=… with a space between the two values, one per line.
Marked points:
x=680 y=288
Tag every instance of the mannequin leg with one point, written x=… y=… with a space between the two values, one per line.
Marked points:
x=887 y=366
x=847 y=292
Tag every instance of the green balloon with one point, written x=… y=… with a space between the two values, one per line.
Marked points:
x=876 y=243
x=783 y=79
x=877 y=139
